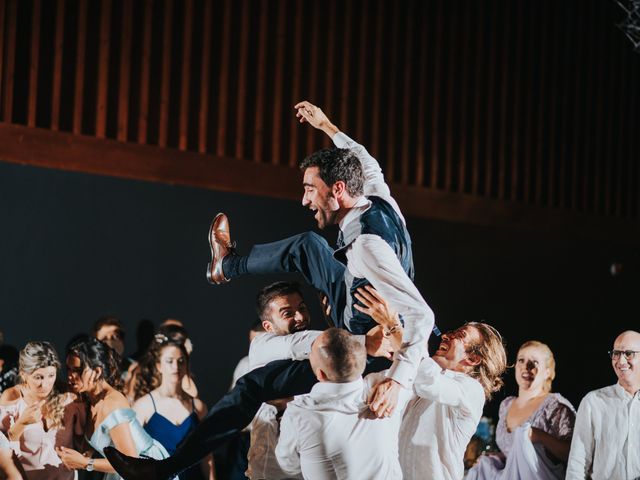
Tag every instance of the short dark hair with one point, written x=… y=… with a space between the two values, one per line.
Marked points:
x=337 y=164
x=108 y=321
x=256 y=326
x=346 y=355
x=268 y=293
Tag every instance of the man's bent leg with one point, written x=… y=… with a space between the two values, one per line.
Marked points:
x=279 y=379
x=306 y=253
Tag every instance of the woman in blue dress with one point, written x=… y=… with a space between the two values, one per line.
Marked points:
x=93 y=372
x=167 y=412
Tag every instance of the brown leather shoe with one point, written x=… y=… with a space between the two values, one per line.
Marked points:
x=221 y=246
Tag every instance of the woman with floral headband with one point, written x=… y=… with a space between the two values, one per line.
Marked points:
x=167 y=412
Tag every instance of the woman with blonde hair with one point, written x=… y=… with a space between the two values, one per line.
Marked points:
x=37 y=418
x=534 y=428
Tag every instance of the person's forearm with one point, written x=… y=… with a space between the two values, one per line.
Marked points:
x=102 y=465
x=558 y=448
x=329 y=128
x=15 y=432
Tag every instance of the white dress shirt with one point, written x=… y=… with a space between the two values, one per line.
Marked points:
x=606 y=436
x=267 y=347
x=330 y=434
x=262 y=461
x=370 y=257
x=439 y=422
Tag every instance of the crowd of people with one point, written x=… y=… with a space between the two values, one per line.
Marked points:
x=362 y=399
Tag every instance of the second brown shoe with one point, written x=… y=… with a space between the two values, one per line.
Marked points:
x=221 y=246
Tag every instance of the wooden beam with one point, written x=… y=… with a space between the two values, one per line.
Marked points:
x=165 y=89
x=65 y=151
x=435 y=108
x=125 y=72
x=223 y=88
x=78 y=97
x=185 y=80
x=205 y=78
x=103 y=69
x=58 y=49
x=297 y=78
x=35 y=59
x=407 y=94
x=261 y=81
x=276 y=131
x=3 y=9
x=241 y=109
x=9 y=68
x=143 y=114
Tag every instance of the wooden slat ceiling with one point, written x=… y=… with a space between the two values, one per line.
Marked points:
x=473 y=102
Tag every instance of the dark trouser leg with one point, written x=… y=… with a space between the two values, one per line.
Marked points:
x=307 y=253
x=279 y=379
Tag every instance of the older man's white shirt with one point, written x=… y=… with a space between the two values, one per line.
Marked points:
x=606 y=436
x=330 y=434
x=439 y=422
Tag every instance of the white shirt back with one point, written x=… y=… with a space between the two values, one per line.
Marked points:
x=331 y=434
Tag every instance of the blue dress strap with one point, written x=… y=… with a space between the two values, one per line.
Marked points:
x=154 y=403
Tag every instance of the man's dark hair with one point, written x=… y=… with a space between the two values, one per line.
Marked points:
x=256 y=326
x=108 y=321
x=346 y=355
x=337 y=164
x=268 y=293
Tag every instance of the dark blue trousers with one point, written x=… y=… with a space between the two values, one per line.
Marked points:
x=310 y=255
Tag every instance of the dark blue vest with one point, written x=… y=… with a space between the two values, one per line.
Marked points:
x=382 y=220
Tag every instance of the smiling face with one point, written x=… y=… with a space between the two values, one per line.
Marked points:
x=320 y=198
x=456 y=349
x=287 y=314
x=172 y=364
x=627 y=370
x=532 y=369
x=40 y=382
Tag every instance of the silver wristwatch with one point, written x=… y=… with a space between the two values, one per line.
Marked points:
x=90 y=465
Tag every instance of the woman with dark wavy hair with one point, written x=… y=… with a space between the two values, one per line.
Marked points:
x=37 y=417
x=167 y=412
x=93 y=372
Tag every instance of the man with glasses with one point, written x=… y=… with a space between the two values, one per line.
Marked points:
x=606 y=438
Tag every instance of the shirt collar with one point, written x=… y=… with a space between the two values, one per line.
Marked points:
x=622 y=393
x=323 y=390
x=361 y=205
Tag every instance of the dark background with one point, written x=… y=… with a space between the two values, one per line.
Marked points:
x=76 y=246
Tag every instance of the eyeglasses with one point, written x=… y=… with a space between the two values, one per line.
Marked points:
x=628 y=354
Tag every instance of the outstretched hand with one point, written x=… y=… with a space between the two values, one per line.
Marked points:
x=384 y=398
x=376 y=307
x=314 y=116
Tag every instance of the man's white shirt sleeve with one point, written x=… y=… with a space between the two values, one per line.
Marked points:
x=458 y=391
x=370 y=257
x=268 y=347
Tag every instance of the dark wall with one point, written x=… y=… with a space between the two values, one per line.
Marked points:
x=75 y=246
